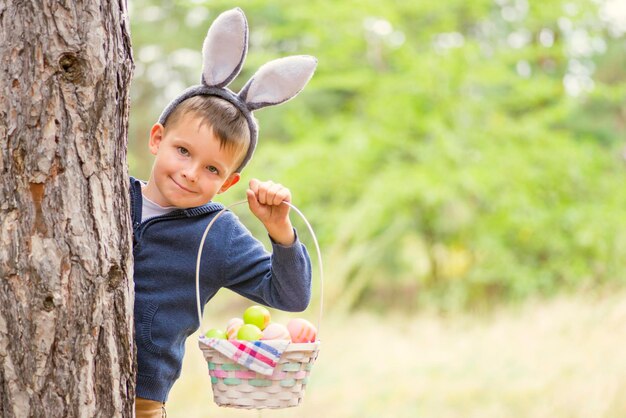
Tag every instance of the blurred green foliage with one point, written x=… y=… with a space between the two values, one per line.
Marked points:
x=449 y=154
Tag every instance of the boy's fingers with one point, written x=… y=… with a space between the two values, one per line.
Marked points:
x=274 y=194
x=269 y=193
x=284 y=196
x=254 y=185
x=262 y=192
x=252 y=201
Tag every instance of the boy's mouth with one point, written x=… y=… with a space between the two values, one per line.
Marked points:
x=181 y=186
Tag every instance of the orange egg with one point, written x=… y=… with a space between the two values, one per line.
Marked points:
x=301 y=330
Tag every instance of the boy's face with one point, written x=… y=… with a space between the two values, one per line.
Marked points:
x=190 y=168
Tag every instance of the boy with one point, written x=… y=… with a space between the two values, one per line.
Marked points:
x=203 y=140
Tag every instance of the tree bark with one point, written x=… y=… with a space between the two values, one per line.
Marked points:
x=66 y=294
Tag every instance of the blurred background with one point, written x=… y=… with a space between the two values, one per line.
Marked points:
x=463 y=164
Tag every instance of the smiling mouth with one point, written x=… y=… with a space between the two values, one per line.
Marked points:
x=181 y=186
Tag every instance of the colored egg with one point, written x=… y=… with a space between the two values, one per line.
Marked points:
x=275 y=331
x=232 y=327
x=249 y=332
x=301 y=330
x=257 y=315
x=215 y=333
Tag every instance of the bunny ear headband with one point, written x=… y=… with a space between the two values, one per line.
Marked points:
x=223 y=53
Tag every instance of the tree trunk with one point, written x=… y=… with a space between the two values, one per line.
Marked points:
x=66 y=342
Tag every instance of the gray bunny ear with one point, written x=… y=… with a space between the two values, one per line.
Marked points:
x=224 y=48
x=278 y=81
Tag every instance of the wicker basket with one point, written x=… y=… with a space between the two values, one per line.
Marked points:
x=235 y=385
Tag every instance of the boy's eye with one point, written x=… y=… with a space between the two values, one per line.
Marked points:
x=213 y=169
x=183 y=151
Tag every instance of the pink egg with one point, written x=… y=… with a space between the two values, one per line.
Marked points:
x=301 y=330
x=276 y=331
x=233 y=327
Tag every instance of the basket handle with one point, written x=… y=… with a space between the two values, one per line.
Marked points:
x=317 y=248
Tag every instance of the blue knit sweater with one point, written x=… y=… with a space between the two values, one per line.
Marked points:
x=165 y=249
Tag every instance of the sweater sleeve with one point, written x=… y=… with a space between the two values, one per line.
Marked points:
x=281 y=279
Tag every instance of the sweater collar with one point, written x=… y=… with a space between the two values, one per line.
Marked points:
x=136 y=204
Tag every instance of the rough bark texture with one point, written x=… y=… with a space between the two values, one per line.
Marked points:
x=66 y=346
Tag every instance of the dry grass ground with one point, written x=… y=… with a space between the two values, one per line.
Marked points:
x=561 y=358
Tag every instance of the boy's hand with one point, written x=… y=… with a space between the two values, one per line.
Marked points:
x=265 y=201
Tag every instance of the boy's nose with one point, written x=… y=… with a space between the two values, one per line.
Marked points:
x=190 y=173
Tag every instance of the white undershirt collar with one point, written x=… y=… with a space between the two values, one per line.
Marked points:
x=151 y=209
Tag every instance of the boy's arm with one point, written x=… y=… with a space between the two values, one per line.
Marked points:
x=281 y=279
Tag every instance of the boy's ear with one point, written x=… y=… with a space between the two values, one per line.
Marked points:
x=230 y=181
x=156 y=136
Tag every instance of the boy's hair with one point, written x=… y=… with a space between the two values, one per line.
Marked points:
x=227 y=122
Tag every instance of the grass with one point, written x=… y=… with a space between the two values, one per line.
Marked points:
x=558 y=358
